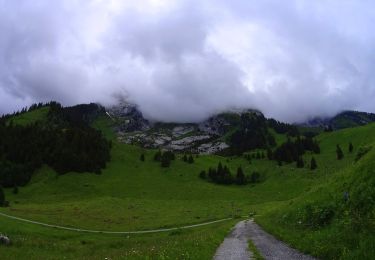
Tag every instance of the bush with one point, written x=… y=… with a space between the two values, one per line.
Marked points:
x=317 y=216
x=362 y=151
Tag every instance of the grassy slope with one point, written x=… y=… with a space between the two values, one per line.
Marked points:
x=350 y=235
x=134 y=195
x=30 y=117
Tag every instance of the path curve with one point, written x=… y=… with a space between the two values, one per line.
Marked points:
x=235 y=246
x=113 y=232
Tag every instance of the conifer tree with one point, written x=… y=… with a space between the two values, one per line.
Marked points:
x=2 y=197
x=313 y=164
x=300 y=163
x=190 y=159
x=339 y=152
x=240 y=177
x=351 y=147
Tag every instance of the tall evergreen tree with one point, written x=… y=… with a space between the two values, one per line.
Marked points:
x=269 y=154
x=351 y=147
x=157 y=156
x=190 y=159
x=240 y=177
x=219 y=169
x=2 y=197
x=202 y=174
x=165 y=161
x=313 y=164
x=339 y=152
x=300 y=163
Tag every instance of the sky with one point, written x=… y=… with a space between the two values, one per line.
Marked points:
x=184 y=60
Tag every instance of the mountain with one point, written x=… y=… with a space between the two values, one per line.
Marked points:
x=342 y=120
x=212 y=135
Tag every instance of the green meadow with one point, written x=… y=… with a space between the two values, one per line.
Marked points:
x=131 y=195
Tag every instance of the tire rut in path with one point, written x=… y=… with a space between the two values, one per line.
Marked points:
x=235 y=245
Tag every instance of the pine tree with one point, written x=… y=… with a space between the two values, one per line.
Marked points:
x=350 y=147
x=313 y=164
x=142 y=157
x=202 y=174
x=339 y=152
x=157 y=156
x=269 y=154
x=219 y=169
x=191 y=159
x=2 y=197
x=240 y=177
x=165 y=161
x=300 y=163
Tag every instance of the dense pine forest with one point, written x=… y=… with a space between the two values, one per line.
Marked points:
x=65 y=142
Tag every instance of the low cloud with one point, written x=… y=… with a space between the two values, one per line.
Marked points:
x=185 y=60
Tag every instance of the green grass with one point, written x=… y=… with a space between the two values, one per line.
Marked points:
x=133 y=195
x=39 y=114
x=350 y=232
x=255 y=251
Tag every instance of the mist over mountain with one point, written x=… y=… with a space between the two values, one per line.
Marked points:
x=185 y=60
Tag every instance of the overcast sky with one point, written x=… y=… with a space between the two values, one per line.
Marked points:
x=185 y=60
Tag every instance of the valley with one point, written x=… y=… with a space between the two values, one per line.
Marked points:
x=135 y=195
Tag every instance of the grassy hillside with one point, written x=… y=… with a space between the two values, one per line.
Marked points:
x=335 y=219
x=134 y=195
x=39 y=114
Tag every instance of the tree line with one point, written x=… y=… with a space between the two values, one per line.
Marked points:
x=58 y=143
x=222 y=175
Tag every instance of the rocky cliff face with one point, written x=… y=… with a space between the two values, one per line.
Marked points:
x=204 y=137
x=128 y=117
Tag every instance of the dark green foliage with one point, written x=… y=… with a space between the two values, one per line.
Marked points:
x=254 y=177
x=269 y=154
x=351 y=147
x=157 y=156
x=313 y=164
x=78 y=115
x=165 y=158
x=15 y=190
x=185 y=159
x=252 y=134
x=339 y=153
x=258 y=156
x=142 y=157
x=317 y=216
x=23 y=149
x=283 y=128
x=190 y=159
x=165 y=162
x=222 y=175
x=292 y=150
x=202 y=175
x=361 y=152
x=240 y=177
x=2 y=197
x=300 y=163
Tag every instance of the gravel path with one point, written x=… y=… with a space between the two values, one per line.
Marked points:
x=112 y=232
x=235 y=245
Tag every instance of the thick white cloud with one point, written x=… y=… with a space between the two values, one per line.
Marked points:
x=184 y=60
